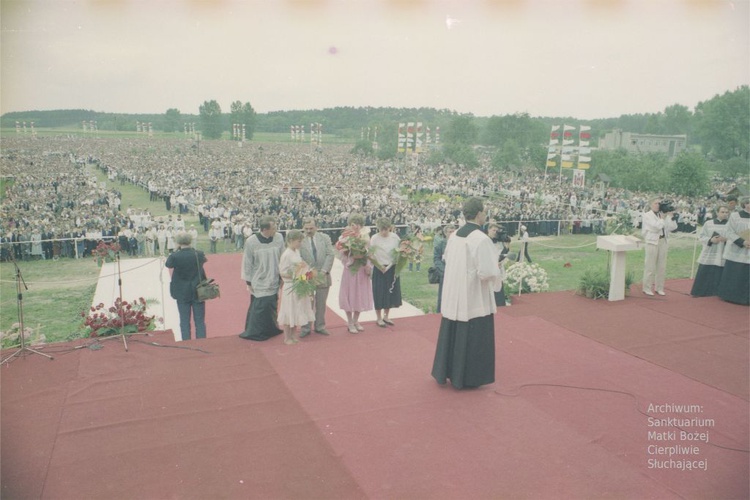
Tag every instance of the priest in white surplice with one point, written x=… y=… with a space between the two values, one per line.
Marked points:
x=465 y=352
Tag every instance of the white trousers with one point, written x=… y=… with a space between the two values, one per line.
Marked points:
x=655 y=267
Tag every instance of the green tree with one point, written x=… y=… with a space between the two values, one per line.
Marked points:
x=461 y=130
x=734 y=168
x=508 y=157
x=677 y=119
x=210 y=119
x=461 y=154
x=635 y=172
x=460 y=136
x=723 y=124
x=172 y=120
x=243 y=114
x=520 y=127
x=363 y=147
x=688 y=175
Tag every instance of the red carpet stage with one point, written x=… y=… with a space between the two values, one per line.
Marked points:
x=358 y=416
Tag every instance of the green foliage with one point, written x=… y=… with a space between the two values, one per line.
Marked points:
x=386 y=153
x=733 y=168
x=594 y=284
x=210 y=118
x=363 y=147
x=519 y=128
x=723 y=124
x=172 y=120
x=537 y=157
x=436 y=157
x=5 y=184
x=461 y=130
x=508 y=157
x=461 y=154
x=688 y=175
x=635 y=172
x=676 y=120
x=720 y=125
x=243 y=114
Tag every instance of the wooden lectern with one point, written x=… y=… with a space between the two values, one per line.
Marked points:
x=618 y=244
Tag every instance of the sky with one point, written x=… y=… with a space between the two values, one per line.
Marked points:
x=579 y=58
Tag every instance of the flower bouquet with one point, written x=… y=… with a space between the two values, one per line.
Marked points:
x=105 y=252
x=103 y=322
x=356 y=247
x=531 y=278
x=407 y=251
x=304 y=280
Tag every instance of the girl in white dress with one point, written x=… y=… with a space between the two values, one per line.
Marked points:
x=294 y=310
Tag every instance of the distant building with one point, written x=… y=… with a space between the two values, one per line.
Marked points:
x=672 y=145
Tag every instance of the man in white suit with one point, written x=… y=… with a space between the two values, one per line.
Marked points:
x=655 y=230
x=317 y=251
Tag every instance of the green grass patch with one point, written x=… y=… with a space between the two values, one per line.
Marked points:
x=60 y=290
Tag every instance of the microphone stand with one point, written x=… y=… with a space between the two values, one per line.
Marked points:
x=22 y=333
x=122 y=311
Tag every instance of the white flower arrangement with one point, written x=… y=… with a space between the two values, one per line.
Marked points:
x=532 y=276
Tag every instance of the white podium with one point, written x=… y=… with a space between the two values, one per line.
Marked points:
x=618 y=244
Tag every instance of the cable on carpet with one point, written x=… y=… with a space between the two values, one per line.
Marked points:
x=156 y=344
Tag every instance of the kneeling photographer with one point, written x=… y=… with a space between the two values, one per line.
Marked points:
x=657 y=224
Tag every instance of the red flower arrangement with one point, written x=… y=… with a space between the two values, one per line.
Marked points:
x=407 y=251
x=103 y=322
x=105 y=251
x=354 y=246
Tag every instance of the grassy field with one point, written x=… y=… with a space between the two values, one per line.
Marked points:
x=552 y=254
x=60 y=290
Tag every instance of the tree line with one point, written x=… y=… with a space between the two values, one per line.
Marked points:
x=718 y=131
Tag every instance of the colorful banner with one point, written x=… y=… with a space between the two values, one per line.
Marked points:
x=584 y=132
x=579 y=178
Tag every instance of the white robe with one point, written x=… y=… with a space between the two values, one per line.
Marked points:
x=471 y=277
x=737 y=227
x=713 y=254
x=260 y=265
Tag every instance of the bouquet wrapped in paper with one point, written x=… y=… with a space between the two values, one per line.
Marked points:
x=406 y=252
x=305 y=280
x=356 y=247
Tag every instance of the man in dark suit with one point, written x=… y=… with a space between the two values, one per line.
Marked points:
x=317 y=251
x=187 y=265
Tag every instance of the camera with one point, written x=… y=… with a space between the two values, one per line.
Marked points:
x=666 y=206
x=501 y=237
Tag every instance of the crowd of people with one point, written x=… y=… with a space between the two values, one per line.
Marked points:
x=55 y=207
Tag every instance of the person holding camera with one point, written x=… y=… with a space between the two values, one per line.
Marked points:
x=657 y=223
x=501 y=241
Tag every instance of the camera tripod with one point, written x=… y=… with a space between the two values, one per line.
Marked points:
x=19 y=300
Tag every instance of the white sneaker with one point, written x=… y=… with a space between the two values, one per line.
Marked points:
x=648 y=292
x=661 y=293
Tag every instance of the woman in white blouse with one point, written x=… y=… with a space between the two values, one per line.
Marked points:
x=386 y=286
